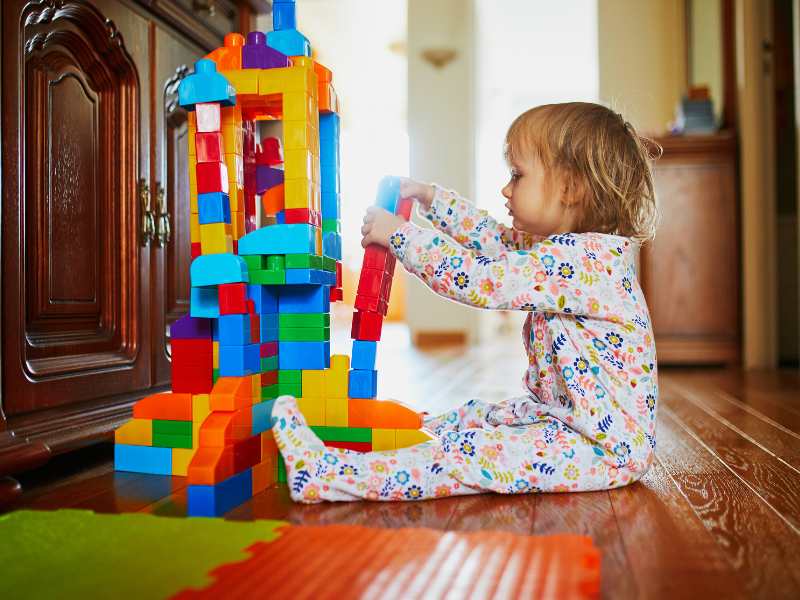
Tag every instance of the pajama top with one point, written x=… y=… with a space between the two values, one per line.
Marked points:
x=592 y=372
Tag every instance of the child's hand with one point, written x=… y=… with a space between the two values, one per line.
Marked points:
x=423 y=192
x=379 y=224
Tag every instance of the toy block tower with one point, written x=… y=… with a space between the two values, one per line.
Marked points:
x=266 y=264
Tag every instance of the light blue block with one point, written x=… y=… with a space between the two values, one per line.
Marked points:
x=330 y=181
x=143 y=459
x=234 y=330
x=330 y=205
x=265 y=298
x=304 y=299
x=262 y=416
x=293 y=238
x=363 y=355
x=362 y=384
x=332 y=245
x=238 y=361
x=216 y=269
x=290 y=42
x=205 y=85
x=304 y=355
x=204 y=302
x=388 y=193
x=329 y=128
x=216 y=500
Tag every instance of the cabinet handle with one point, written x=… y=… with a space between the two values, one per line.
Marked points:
x=163 y=224
x=205 y=6
x=148 y=222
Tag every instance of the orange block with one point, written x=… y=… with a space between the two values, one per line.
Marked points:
x=229 y=56
x=209 y=466
x=231 y=393
x=381 y=414
x=265 y=474
x=222 y=428
x=272 y=200
x=167 y=406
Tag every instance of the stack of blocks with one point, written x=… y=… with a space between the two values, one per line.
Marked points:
x=266 y=264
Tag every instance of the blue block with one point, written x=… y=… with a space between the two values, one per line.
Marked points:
x=290 y=42
x=329 y=128
x=262 y=416
x=332 y=245
x=363 y=355
x=294 y=238
x=304 y=299
x=309 y=276
x=388 y=193
x=143 y=459
x=270 y=321
x=362 y=384
x=330 y=181
x=215 y=330
x=205 y=85
x=216 y=269
x=216 y=500
x=304 y=355
x=280 y=217
x=265 y=298
x=330 y=205
x=204 y=302
x=234 y=330
x=238 y=361
x=268 y=334
x=283 y=16
x=214 y=207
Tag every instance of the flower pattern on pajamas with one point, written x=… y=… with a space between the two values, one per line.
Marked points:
x=587 y=418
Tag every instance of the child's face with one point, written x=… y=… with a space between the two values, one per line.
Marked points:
x=534 y=203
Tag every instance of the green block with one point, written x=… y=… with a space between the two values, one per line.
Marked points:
x=331 y=225
x=290 y=376
x=298 y=261
x=290 y=389
x=254 y=262
x=276 y=262
x=281 y=470
x=270 y=391
x=161 y=426
x=328 y=264
x=214 y=375
x=266 y=277
x=269 y=363
x=165 y=440
x=304 y=320
x=304 y=334
x=343 y=434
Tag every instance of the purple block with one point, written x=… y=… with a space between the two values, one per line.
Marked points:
x=267 y=177
x=188 y=327
x=257 y=55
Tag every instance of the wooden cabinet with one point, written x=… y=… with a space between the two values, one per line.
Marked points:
x=690 y=274
x=95 y=199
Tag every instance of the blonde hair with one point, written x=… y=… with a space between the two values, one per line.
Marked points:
x=605 y=164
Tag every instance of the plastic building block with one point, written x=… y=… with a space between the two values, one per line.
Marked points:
x=304 y=299
x=411 y=437
x=289 y=42
x=136 y=432
x=234 y=330
x=265 y=299
x=221 y=428
x=378 y=257
x=167 y=405
x=207 y=117
x=382 y=414
x=205 y=85
x=217 y=269
x=143 y=459
x=212 y=177
x=383 y=439
x=262 y=416
x=232 y=298
x=304 y=355
x=246 y=453
x=356 y=446
x=404 y=208
x=209 y=147
x=181 y=457
x=257 y=55
x=215 y=238
x=343 y=434
x=279 y=239
x=229 y=55
x=172 y=434
x=313 y=410
x=388 y=193
x=267 y=178
x=210 y=465
x=237 y=361
x=283 y=16
x=188 y=327
x=363 y=355
x=366 y=326
x=230 y=393
x=370 y=282
x=214 y=207
x=203 y=301
x=313 y=383
x=336 y=412
x=363 y=384
x=216 y=500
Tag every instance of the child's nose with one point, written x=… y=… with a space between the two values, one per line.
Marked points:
x=506 y=191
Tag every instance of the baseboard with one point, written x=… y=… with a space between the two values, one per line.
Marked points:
x=436 y=339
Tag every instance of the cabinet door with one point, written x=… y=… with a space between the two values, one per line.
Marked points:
x=76 y=139
x=174 y=59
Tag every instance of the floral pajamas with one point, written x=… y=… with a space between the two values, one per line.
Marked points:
x=587 y=421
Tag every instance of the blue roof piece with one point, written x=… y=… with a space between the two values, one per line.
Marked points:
x=205 y=85
x=216 y=269
x=388 y=193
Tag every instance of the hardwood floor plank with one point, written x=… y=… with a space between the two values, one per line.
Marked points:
x=592 y=514
x=760 y=547
x=514 y=514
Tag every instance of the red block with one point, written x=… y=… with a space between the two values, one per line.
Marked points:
x=299 y=215
x=369 y=304
x=376 y=257
x=269 y=378
x=370 y=283
x=255 y=327
x=269 y=152
x=212 y=177
x=386 y=288
x=250 y=306
x=366 y=326
x=208 y=116
x=233 y=298
x=210 y=147
x=192 y=351
x=336 y=294
x=357 y=446
x=236 y=246
x=404 y=207
x=246 y=453
x=338 y=274
x=196 y=250
x=268 y=349
x=192 y=379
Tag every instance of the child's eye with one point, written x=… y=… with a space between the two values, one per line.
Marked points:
x=515 y=175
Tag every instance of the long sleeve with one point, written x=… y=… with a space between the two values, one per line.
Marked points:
x=579 y=274
x=472 y=227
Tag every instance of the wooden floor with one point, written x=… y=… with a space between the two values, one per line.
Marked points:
x=718 y=515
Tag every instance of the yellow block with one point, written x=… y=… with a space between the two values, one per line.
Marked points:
x=411 y=437
x=201 y=408
x=233 y=139
x=336 y=412
x=192 y=124
x=244 y=80
x=255 y=381
x=194 y=226
x=235 y=168
x=298 y=193
x=215 y=354
x=313 y=409
x=181 y=457
x=336 y=377
x=313 y=383
x=383 y=439
x=297 y=164
x=193 y=185
x=298 y=106
x=136 y=432
x=298 y=135
x=237 y=224
x=287 y=79
x=340 y=362
x=215 y=238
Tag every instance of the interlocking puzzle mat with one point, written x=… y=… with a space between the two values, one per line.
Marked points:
x=71 y=554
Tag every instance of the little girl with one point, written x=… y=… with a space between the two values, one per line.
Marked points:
x=581 y=199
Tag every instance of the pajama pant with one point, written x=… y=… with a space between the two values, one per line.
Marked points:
x=507 y=448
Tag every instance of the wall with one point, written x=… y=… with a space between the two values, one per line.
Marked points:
x=642 y=54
